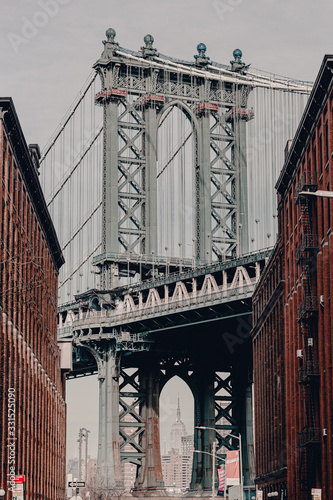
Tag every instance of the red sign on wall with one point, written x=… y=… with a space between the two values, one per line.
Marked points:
x=19 y=479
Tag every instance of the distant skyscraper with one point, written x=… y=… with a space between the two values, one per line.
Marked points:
x=91 y=472
x=178 y=430
x=73 y=467
x=177 y=464
x=187 y=445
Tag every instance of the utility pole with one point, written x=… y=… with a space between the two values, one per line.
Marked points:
x=86 y=458
x=80 y=453
x=83 y=434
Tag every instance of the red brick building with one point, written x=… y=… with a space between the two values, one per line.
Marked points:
x=32 y=396
x=269 y=381
x=293 y=329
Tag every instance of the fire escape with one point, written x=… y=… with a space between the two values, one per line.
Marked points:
x=308 y=377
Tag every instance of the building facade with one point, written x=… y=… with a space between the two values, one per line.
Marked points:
x=32 y=396
x=269 y=382
x=293 y=331
x=177 y=471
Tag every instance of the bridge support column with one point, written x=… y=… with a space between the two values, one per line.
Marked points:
x=203 y=438
x=204 y=230
x=110 y=191
x=243 y=414
x=109 y=473
x=150 y=479
x=242 y=196
x=110 y=183
x=150 y=146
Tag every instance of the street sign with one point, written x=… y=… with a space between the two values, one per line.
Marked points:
x=19 y=479
x=18 y=490
x=316 y=493
x=76 y=484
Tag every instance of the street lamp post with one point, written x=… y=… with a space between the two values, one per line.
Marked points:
x=213 y=460
x=318 y=193
x=202 y=427
x=240 y=462
x=240 y=456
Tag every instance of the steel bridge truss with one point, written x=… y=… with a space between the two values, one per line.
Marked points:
x=130 y=337
x=137 y=94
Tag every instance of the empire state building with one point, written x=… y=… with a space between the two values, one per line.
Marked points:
x=178 y=431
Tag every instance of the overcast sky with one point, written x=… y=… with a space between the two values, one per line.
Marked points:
x=47 y=48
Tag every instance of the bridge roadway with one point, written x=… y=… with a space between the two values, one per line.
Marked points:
x=133 y=316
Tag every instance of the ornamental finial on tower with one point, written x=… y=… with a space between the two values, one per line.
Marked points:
x=149 y=51
x=110 y=35
x=201 y=59
x=237 y=64
x=110 y=46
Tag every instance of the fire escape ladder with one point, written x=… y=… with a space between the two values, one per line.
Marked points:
x=302 y=470
x=308 y=375
x=305 y=256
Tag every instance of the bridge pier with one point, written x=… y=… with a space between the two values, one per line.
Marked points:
x=109 y=473
x=243 y=414
x=149 y=481
x=204 y=416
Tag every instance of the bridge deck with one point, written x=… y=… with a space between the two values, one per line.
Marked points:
x=196 y=296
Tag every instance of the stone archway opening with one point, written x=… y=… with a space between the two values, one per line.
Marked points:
x=176 y=434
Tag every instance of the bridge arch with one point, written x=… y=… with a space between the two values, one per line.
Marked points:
x=177 y=160
x=180 y=372
x=183 y=107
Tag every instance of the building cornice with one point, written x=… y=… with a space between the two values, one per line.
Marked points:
x=321 y=89
x=29 y=174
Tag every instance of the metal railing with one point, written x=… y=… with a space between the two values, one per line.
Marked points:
x=309 y=436
x=309 y=370
x=308 y=242
x=308 y=307
x=140 y=312
x=307 y=182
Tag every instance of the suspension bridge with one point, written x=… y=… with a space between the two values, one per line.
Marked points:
x=160 y=182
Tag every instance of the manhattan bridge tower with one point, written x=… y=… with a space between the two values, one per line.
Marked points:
x=137 y=94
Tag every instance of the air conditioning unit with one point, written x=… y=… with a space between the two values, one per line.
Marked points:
x=324 y=432
x=299 y=353
x=310 y=342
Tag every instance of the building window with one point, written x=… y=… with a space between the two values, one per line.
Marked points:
x=9 y=172
x=4 y=158
x=322 y=218
x=321 y=153
x=328 y=210
x=315 y=158
x=14 y=190
x=326 y=142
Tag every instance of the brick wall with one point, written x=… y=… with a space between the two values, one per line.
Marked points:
x=30 y=371
x=293 y=330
